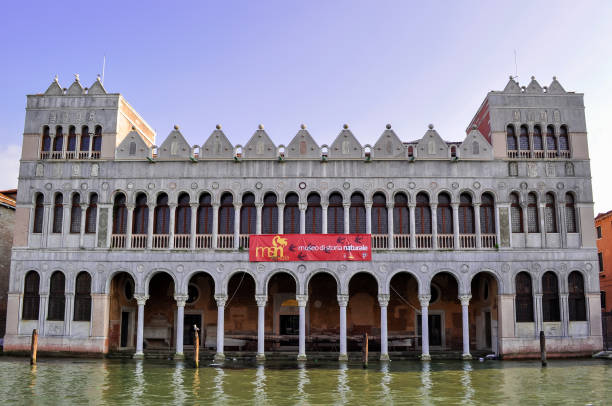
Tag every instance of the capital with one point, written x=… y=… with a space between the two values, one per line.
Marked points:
x=302 y=206
x=83 y=206
x=258 y=206
x=180 y=300
x=302 y=300
x=390 y=205
x=465 y=299
x=261 y=300
x=368 y=205
x=221 y=299
x=141 y=299
x=346 y=205
x=343 y=300
x=194 y=205
x=383 y=300
x=424 y=300
x=237 y=206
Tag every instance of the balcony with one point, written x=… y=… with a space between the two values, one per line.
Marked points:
x=182 y=241
x=467 y=241
x=243 y=241
x=203 y=241
x=445 y=241
x=225 y=241
x=380 y=241
x=401 y=241
x=118 y=241
x=423 y=241
x=139 y=241
x=161 y=241
x=488 y=241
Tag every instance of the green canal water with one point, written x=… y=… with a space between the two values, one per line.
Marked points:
x=115 y=382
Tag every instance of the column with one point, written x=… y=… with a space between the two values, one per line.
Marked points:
x=150 y=226
x=347 y=228
x=368 y=210
x=539 y=326
x=302 y=300
x=541 y=213
x=323 y=218
x=434 y=225
x=258 y=207
x=42 y=312
x=424 y=299
x=561 y=222
x=564 y=314
x=465 y=301
x=236 y=225
x=281 y=217
x=128 y=227
x=66 y=219
x=171 y=225
x=343 y=302
x=390 y=226
x=525 y=222
x=194 y=225
x=477 y=225
x=302 y=207
x=383 y=301
x=141 y=300
x=497 y=230
x=180 y=320
x=83 y=219
x=412 y=209
x=261 y=312
x=221 y=299
x=111 y=220
x=456 y=242
x=69 y=297
x=215 y=224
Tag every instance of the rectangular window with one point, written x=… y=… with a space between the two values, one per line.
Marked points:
x=600 y=258
x=598 y=231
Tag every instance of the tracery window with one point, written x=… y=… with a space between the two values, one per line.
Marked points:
x=550 y=214
x=576 y=299
x=550 y=297
x=533 y=222
x=511 y=138
x=57 y=297
x=524 y=138
x=269 y=214
x=82 y=297
x=466 y=214
x=444 y=214
x=563 y=140
x=379 y=214
x=31 y=297
x=84 y=139
x=357 y=214
x=335 y=214
x=423 y=214
x=75 y=214
x=314 y=214
x=401 y=215
x=91 y=214
x=570 y=214
x=119 y=214
x=182 y=223
x=58 y=213
x=516 y=213
x=71 y=139
x=161 y=224
x=524 y=298
x=291 y=214
x=248 y=214
x=140 y=221
x=97 y=139
x=205 y=214
x=46 y=139
x=58 y=141
x=226 y=214
x=537 y=138
x=487 y=214
x=39 y=213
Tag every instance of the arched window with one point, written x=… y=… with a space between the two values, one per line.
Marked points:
x=57 y=297
x=550 y=214
x=46 y=139
x=379 y=214
x=182 y=223
x=58 y=213
x=466 y=214
x=453 y=151
x=314 y=214
x=537 y=138
x=423 y=214
x=401 y=215
x=533 y=222
x=357 y=217
x=550 y=297
x=82 y=297
x=487 y=214
x=551 y=142
x=226 y=214
x=410 y=151
x=475 y=148
x=140 y=221
x=291 y=214
x=58 y=141
x=570 y=214
x=516 y=213
x=161 y=225
x=39 y=213
x=91 y=214
x=577 y=302
x=248 y=214
x=335 y=214
x=119 y=214
x=71 y=139
x=205 y=214
x=524 y=138
x=511 y=138
x=84 y=139
x=132 y=150
x=524 y=298
x=97 y=139
x=563 y=140
x=31 y=298
x=269 y=214
x=75 y=214
x=444 y=214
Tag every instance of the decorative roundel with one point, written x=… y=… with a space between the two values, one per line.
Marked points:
x=48 y=186
x=172 y=185
x=258 y=185
x=501 y=185
x=588 y=267
x=455 y=185
x=476 y=185
x=151 y=185
x=130 y=186
x=411 y=185
x=104 y=186
x=215 y=185
x=433 y=185
x=560 y=185
x=523 y=185
x=390 y=185
x=346 y=185
x=194 y=185
x=302 y=185
x=84 y=186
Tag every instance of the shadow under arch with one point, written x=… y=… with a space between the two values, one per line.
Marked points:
x=157 y=271
x=318 y=272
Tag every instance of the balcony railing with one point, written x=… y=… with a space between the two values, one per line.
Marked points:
x=225 y=241
x=380 y=241
x=467 y=241
x=118 y=241
x=423 y=241
x=56 y=154
x=243 y=241
x=401 y=241
x=139 y=241
x=71 y=154
x=524 y=153
x=512 y=153
x=203 y=241
x=538 y=154
x=161 y=241
x=488 y=240
x=564 y=154
x=445 y=241
x=182 y=241
x=95 y=155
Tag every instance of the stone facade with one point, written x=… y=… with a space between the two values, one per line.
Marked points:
x=7 y=224
x=155 y=262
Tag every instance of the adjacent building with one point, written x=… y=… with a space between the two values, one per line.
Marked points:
x=603 y=231
x=7 y=224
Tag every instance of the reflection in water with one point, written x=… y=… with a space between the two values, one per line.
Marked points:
x=139 y=382
x=196 y=383
x=385 y=384
x=260 y=385
x=303 y=380
x=32 y=385
x=177 y=380
x=220 y=396
x=466 y=382
x=343 y=387
x=426 y=382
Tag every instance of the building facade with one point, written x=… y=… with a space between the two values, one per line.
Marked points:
x=7 y=224
x=603 y=232
x=123 y=245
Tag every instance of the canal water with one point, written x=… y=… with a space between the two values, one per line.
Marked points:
x=116 y=382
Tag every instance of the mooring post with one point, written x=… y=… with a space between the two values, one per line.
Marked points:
x=365 y=350
x=543 y=348
x=34 y=348
x=197 y=346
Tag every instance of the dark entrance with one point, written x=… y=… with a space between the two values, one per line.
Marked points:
x=125 y=323
x=435 y=329
x=188 y=330
x=289 y=324
x=487 y=316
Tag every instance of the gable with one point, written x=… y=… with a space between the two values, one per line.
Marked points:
x=346 y=146
x=54 y=89
x=512 y=87
x=175 y=146
x=260 y=146
x=132 y=147
x=303 y=146
x=97 y=87
x=555 y=87
x=389 y=146
x=217 y=146
x=475 y=146
x=75 y=89
x=432 y=146
x=534 y=86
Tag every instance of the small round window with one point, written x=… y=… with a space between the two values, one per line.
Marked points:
x=193 y=294
x=128 y=289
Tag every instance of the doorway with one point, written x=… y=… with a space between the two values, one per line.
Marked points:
x=125 y=323
x=289 y=324
x=189 y=331
x=435 y=328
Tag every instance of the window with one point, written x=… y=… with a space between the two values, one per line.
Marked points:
x=516 y=213
x=453 y=151
x=444 y=214
x=84 y=139
x=39 y=212
x=423 y=214
x=563 y=140
x=119 y=214
x=97 y=139
x=357 y=215
x=82 y=297
x=533 y=224
x=550 y=214
x=161 y=225
x=57 y=298
x=335 y=214
x=537 y=138
x=58 y=213
x=524 y=298
x=140 y=221
x=71 y=139
x=551 y=143
x=31 y=298
x=182 y=223
x=58 y=141
x=132 y=148
x=314 y=214
x=401 y=215
x=75 y=214
x=550 y=297
x=570 y=214
x=226 y=214
x=603 y=299
x=598 y=231
x=291 y=214
x=475 y=148
x=511 y=138
x=379 y=214
x=205 y=214
x=410 y=151
x=46 y=139
x=269 y=215
x=524 y=138
x=577 y=301
x=91 y=214
x=466 y=214
x=487 y=214
x=601 y=264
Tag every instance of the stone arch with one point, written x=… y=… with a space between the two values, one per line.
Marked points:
x=379 y=282
x=260 y=197
x=246 y=192
x=535 y=280
x=587 y=279
x=319 y=271
x=40 y=279
x=138 y=192
x=401 y=190
x=474 y=196
x=221 y=288
x=335 y=190
x=460 y=282
x=490 y=272
x=155 y=271
x=137 y=285
x=561 y=279
x=264 y=288
x=188 y=275
x=114 y=194
x=449 y=192
x=370 y=197
x=399 y=271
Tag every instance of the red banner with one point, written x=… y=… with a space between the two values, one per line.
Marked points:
x=310 y=247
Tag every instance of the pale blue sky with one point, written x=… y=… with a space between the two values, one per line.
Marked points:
x=325 y=63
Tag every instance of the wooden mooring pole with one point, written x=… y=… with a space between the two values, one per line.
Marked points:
x=34 y=348
x=543 y=348
x=197 y=346
x=365 y=350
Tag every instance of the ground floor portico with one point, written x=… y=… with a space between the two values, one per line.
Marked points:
x=419 y=302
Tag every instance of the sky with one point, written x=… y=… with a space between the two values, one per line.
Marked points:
x=320 y=63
